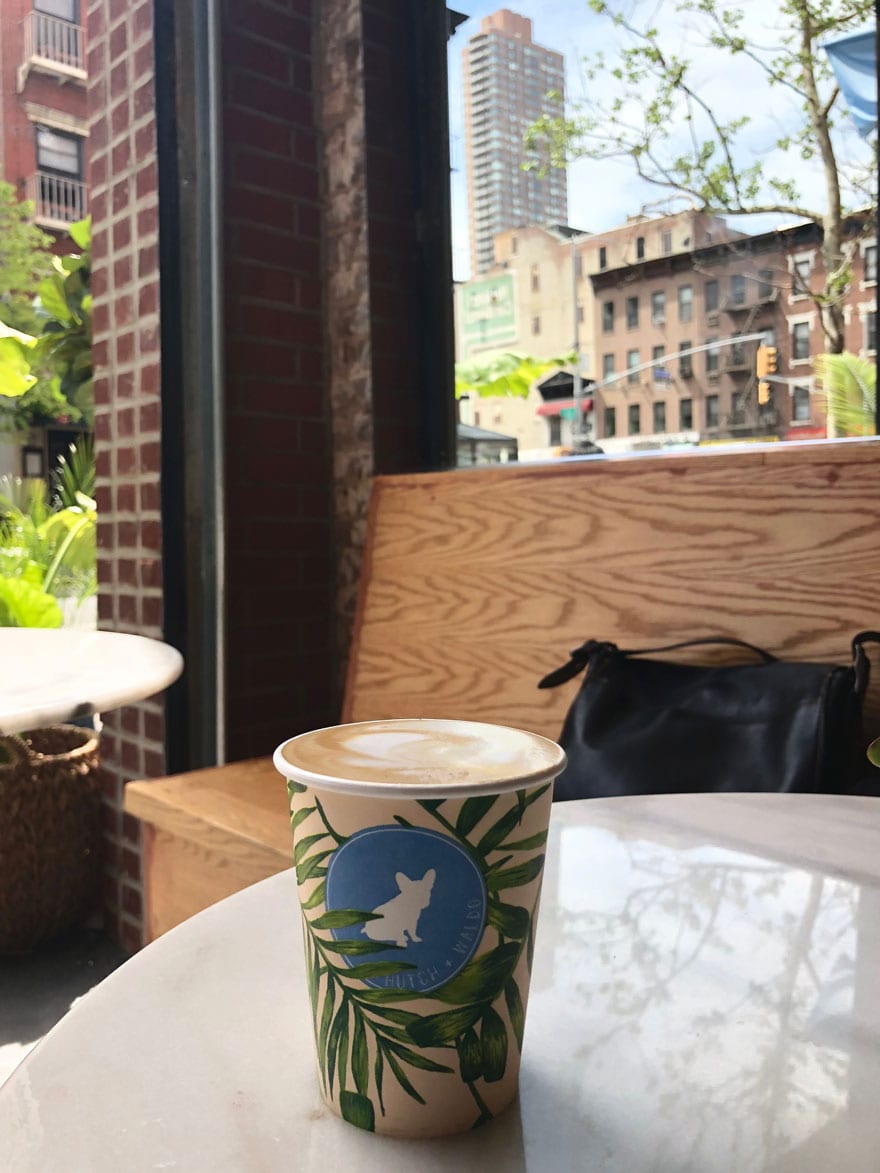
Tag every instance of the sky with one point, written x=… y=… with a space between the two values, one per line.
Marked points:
x=602 y=195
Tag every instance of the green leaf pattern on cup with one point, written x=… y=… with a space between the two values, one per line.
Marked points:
x=355 y=1021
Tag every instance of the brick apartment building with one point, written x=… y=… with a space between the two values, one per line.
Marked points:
x=645 y=314
x=43 y=116
x=634 y=296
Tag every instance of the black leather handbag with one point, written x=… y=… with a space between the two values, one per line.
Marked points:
x=646 y=726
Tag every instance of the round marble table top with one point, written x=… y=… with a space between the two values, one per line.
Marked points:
x=704 y=998
x=52 y=675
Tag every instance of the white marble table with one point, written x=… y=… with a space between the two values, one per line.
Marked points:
x=705 y=997
x=50 y=675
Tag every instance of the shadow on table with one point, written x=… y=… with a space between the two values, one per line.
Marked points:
x=37 y=988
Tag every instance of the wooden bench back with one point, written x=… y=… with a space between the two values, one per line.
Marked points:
x=477 y=582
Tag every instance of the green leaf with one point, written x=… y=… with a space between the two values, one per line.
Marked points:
x=357 y=945
x=493 y=1044
x=375 y=969
x=516 y=1011
x=360 y=1060
x=300 y=816
x=470 y=1056
x=324 y=1025
x=311 y=868
x=16 y=376
x=24 y=605
x=509 y=919
x=317 y=897
x=378 y=1073
x=81 y=232
x=357 y=1110
x=438 y=1029
x=502 y=828
x=381 y=998
x=337 y=1044
x=51 y=294
x=341 y=918
x=514 y=877
x=472 y=810
x=417 y=1059
x=482 y=978
x=528 y=844
x=295 y=787
x=401 y=1077
x=302 y=846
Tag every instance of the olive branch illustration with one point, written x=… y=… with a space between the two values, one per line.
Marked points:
x=473 y=1030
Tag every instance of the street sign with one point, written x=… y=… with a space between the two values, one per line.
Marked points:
x=568 y=413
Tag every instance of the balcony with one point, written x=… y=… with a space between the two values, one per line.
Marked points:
x=750 y=299
x=57 y=201
x=53 y=46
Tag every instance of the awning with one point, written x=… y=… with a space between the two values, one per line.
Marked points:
x=557 y=406
x=854 y=61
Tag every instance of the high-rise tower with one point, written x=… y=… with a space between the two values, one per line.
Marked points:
x=506 y=81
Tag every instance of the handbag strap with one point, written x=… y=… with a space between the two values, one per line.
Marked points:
x=580 y=657
x=861 y=663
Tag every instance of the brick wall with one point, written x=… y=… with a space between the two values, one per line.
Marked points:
x=280 y=583
x=125 y=284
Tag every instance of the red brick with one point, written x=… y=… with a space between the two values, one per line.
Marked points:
x=126 y=462
x=121 y=156
x=154 y=763
x=152 y=614
x=150 y=417
x=125 y=384
x=154 y=723
x=121 y=272
x=144 y=99
x=125 y=422
x=151 y=457
x=131 y=721
x=131 y=863
x=148 y=220
x=150 y=378
x=119 y=118
x=128 y=610
x=125 y=498
x=125 y=348
x=118 y=80
x=151 y=500
x=131 y=935
x=131 y=900
x=148 y=298
x=118 y=41
x=151 y=536
x=122 y=233
x=150 y=572
x=131 y=828
x=142 y=24
x=148 y=261
x=124 y=309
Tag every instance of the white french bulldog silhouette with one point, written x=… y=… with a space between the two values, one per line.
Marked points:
x=399 y=917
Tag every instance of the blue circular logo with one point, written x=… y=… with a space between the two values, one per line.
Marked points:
x=424 y=903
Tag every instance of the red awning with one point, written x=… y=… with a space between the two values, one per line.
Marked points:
x=555 y=406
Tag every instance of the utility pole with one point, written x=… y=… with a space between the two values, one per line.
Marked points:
x=579 y=432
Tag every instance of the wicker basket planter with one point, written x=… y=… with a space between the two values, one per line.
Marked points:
x=50 y=799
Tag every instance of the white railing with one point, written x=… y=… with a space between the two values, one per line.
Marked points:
x=56 y=198
x=58 y=41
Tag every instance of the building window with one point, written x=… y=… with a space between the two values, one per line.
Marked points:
x=632 y=361
x=685 y=364
x=59 y=153
x=800 y=405
x=536 y=279
x=634 y=419
x=685 y=302
x=640 y=248
x=658 y=307
x=657 y=352
x=870 y=264
x=62 y=9
x=713 y=354
x=603 y=257
x=737 y=289
x=659 y=417
x=686 y=414
x=871 y=332
x=800 y=340
x=610 y=421
x=710 y=293
x=666 y=243
x=536 y=325
x=607 y=316
x=712 y=411
x=632 y=312
x=607 y=366
x=803 y=267
x=738 y=406
x=765 y=284
x=737 y=353
x=555 y=436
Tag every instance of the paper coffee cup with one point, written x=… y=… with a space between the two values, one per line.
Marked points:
x=419 y=850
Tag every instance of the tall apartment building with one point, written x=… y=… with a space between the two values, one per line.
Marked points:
x=43 y=126
x=507 y=78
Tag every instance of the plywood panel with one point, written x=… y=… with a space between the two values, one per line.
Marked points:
x=477 y=582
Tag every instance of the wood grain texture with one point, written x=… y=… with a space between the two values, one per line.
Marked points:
x=184 y=877
x=477 y=582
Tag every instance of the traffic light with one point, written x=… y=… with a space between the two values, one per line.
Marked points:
x=763 y=393
x=765 y=361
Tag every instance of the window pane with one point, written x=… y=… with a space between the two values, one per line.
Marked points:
x=607 y=365
x=871 y=262
x=686 y=414
x=871 y=331
x=607 y=316
x=640 y=248
x=634 y=419
x=710 y=293
x=610 y=421
x=603 y=257
x=658 y=307
x=685 y=302
x=659 y=417
x=632 y=312
x=632 y=360
x=711 y=411
x=666 y=243
x=800 y=404
x=685 y=366
x=713 y=356
x=63 y=9
x=58 y=152
x=737 y=289
x=800 y=334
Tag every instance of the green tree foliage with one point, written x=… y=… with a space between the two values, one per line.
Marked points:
x=49 y=373
x=504 y=374
x=24 y=260
x=849 y=384
x=649 y=106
